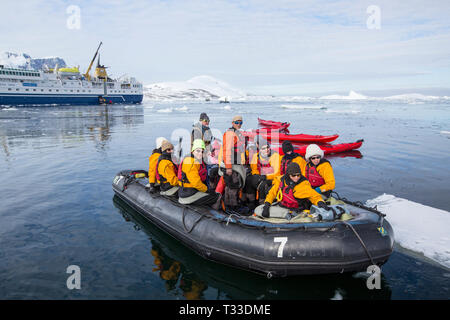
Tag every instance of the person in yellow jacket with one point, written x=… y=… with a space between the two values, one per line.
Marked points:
x=293 y=192
x=193 y=177
x=319 y=171
x=166 y=173
x=290 y=156
x=265 y=166
x=153 y=159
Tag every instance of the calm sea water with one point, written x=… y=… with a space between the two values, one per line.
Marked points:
x=58 y=207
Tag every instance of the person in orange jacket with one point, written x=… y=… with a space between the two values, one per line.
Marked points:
x=265 y=166
x=319 y=171
x=153 y=159
x=232 y=163
x=166 y=173
x=293 y=192
x=290 y=156
x=193 y=176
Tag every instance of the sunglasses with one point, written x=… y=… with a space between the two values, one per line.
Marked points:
x=295 y=175
x=169 y=149
x=238 y=122
x=198 y=150
x=207 y=121
x=314 y=158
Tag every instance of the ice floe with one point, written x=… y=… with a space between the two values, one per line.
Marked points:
x=417 y=227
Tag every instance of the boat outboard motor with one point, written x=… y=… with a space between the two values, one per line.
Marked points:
x=322 y=214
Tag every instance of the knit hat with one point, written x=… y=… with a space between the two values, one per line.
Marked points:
x=159 y=141
x=313 y=150
x=287 y=146
x=236 y=118
x=166 y=145
x=198 y=143
x=293 y=168
x=204 y=116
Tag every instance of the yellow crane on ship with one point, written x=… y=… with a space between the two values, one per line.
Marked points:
x=100 y=71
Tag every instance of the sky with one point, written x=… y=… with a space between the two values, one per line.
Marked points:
x=274 y=47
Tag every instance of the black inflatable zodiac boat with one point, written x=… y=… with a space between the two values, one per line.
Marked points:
x=274 y=249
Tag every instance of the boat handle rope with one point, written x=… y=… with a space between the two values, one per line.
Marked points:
x=360 y=240
x=229 y=218
x=193 y=225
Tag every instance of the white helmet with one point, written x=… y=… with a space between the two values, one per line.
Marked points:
x=159 y=142
x=313 y=150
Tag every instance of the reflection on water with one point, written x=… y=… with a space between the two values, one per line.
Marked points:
x=47 y=127
x=174 y=274
x=183 y=269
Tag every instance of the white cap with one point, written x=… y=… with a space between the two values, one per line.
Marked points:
x=313 y=150
x=159 y=142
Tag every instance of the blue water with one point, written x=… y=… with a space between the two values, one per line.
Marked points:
x=58 y=208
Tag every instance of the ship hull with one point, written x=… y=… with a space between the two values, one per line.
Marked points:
x=66 y=99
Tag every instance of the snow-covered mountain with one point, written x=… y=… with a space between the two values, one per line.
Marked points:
x=197 y=88
x=24 y=61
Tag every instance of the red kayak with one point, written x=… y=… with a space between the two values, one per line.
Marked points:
x=275 y=134
x=274 y=124
x=328 y=148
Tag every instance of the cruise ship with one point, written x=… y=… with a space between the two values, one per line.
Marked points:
x=66 y=86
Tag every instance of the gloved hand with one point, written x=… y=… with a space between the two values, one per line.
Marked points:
x=152 y=188
x=266 y=210
x=318 y=190
x=323 y=205
x=211 y=192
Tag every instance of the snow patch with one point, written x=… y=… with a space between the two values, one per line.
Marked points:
x=417 y=227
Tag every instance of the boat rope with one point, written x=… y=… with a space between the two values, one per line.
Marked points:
x=360 y=240
x=193 y=225
x=229 y=217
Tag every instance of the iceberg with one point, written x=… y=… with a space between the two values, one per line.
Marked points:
x=351 y=96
